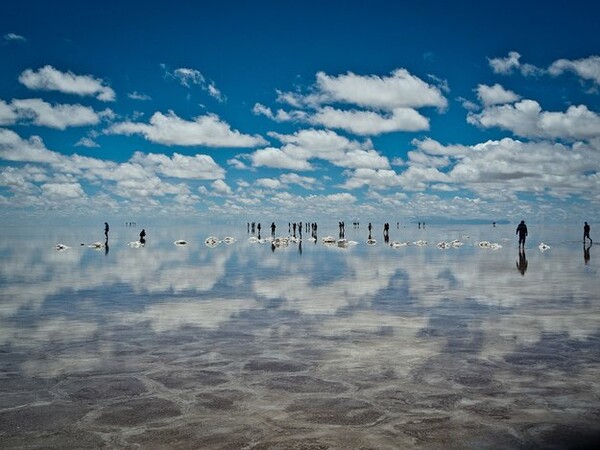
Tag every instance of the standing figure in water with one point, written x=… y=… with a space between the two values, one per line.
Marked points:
x=586 y=232
x=273 y=227
x=143 y=237
x=106 y=227
x=522 y=232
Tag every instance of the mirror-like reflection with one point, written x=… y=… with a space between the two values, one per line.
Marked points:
x=341 y=346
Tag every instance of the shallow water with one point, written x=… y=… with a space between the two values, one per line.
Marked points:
x=308 y=346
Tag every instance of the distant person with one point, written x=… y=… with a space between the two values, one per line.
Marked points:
x=586 y=232
x=522 y=232
x=106 y=227
x=143 y=237
x=273 y=227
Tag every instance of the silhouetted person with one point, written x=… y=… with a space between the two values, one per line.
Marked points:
x=522 y=232
x=494 y=224
x=106 y=227
x=300 y=230
x=370 y=227
x=258 y=229
x=273 y=227
x=143 y=237
x=586 y=232
x=522 y=262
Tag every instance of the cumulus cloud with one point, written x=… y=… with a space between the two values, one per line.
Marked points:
x=527 y=119
x=511 y=63
x=50 y=79
x=269 y=183
x=14 y=148
x=63 y=190
x=495 y=95
x=586 y=68
x=300 y=148
x=365 y=123
x=143 y=176
x=399 y=90
x=197 y=167
x=8 y=115
x=221 y=188
x=58 y=116
x=378 y=104
x=208 y=130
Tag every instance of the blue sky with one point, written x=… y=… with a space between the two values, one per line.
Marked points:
x=297 y=110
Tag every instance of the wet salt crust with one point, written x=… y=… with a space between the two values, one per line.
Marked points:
x=304 y=346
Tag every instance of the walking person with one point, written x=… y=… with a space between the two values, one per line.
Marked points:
x=106 y=227
x=522 y=232
x=586 y=232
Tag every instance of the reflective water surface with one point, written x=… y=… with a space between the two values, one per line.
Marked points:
x=309 y=346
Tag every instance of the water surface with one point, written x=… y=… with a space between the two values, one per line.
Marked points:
x=306 y=346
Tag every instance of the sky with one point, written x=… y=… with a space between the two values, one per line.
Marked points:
x=265 y=110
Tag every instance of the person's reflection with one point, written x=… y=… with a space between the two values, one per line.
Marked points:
x=586 y=253
x=106 y=247
x=522 y=262
x=300 y=247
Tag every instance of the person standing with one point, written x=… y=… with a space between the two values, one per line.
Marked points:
x=586 y=232
x=106 y=227
x=522 y=232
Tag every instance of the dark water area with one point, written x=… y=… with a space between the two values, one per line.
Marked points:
x=302 y=345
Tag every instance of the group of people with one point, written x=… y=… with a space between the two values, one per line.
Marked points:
x=294 y=228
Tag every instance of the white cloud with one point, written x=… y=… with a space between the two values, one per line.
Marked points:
x=382 y=104
x=512 y=62
x=58 y=116
x=208 y=130
x=366 y=123
x=50 y=79
x=188 y=77
x=14 y=148
x=294 y=178
x=197 y=167
x=191 y=77
x=269 y=183
x=58 y=191
x=505 y=65
x=8 y=115
x=399 y=90
x=14 y=37
x=221 y=188
x=280 y=159
x=586 y=68
x=135 y=95
x=279 y=116
x=495 y=95
x=527 y=119
x=86 y=142
x=305 y=145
